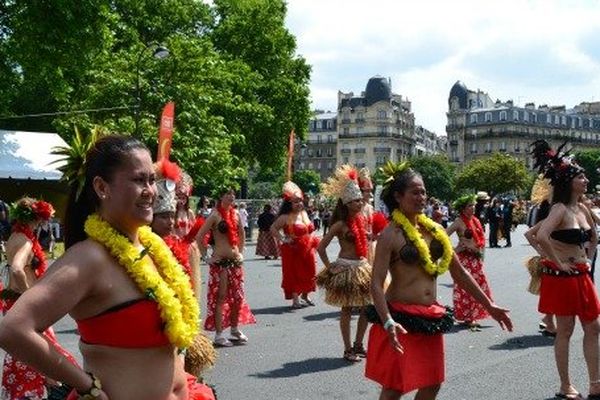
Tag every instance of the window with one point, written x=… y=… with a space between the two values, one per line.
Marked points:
x=453 y=155
x=556 y=119
x=330 y=165
x=488 y=117
x=548 y=118
x=330 y=152
x=318 y=138
x=502 y=115
x=360 y=130
x=473 y=147
x=302 y=151
x=382 y=130
x=515 y=115
x=573 y=122
x=563 y=120
x=302 y=165
x=526 y=116
x=502 y=146
x=319 y=165
x=360 y=116
x=381 y=114
x=310 y=165
x=329 y=138
x=346 y=116
x=473 y=119
x=488 y=147
x=346 y=131
x=323 y=124
x=329 y=124
x=534 y=118
x=319 y=153
x=310 y=153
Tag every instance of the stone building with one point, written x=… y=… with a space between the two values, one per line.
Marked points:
x=477 y=126
x=374 y=127
x=318 y=151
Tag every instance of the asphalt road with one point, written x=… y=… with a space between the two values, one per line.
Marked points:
x=298 y=354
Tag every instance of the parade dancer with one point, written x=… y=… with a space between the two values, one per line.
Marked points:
x=376 y=220
x=133 y=303
x=566 y=289
x=406 y=348
x=470 y=251
x=347 y=280
x=201 y=354
x=298 y=263
x=26 y=264
x=226 y=303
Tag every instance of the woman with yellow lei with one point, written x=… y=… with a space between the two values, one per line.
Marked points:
x=132 y=302
x=406 y=348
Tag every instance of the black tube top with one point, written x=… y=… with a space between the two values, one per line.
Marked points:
x=572 y=236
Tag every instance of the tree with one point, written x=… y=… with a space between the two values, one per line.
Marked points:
x=499 y=173
x=590 y=161
x=308 y=180
x=438 y=175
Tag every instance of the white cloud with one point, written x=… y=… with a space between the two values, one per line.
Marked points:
x=541 y=51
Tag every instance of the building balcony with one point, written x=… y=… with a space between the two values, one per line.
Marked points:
x=346 y=121
x=382 y=149
x=360 y=151
x=453 y=142
x=345 y=151
x=359 y=120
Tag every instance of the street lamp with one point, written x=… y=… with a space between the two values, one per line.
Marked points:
x=160 y=52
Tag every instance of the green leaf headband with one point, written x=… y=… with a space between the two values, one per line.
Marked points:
x=74 y=156
x=463 y=201
x=390 y=172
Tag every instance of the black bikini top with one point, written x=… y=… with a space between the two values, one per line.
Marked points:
x=222 y=226
x=468 y=234
x=410 y=255
x=35 y=263
x=572 y=236
x=349 y=236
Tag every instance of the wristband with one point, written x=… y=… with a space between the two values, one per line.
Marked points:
x=93 y=392
x=389 y=322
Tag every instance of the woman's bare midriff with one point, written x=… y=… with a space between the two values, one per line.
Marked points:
x=410 y=284
x=152 y=374
x=569 y=253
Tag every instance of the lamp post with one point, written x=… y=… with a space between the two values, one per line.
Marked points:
x=160 y=52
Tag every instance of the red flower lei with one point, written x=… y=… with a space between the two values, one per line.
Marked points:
x=181 y=251
x=475 y=226
x=38 y=252
x=232 y=225
x=357 y=226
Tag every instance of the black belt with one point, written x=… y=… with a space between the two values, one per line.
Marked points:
x=416 y=324
x=556 y=272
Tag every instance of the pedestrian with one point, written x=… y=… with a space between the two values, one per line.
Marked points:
x=244 y=220
x=406 y=347
x=298 y=262
x=326 y=216
x=347 y=280
x=566 y=289
x=266 y=244
x=507 y=220
x=470 y=251
x=226 y=302
x=133 y=305
x=493 y=217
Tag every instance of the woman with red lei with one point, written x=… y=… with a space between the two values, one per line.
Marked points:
x=226 y=302
x=567 y=240
x=298 y=262
x=347 y=281
x=375 y=220
x=470 y=251
x=26 y=264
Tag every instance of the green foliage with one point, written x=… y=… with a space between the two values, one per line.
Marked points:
x=590 y=161
x=499 y=173
x=438 y=175
x=308 y=180
x=238 y=86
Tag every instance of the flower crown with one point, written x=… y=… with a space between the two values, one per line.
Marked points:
x=74 y=156
x=557 y=166
x=29 y=210
x=291 y=190
x=460 y=203
x=390 y=172
x=343 y=184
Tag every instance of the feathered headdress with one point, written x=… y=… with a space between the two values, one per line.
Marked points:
x=541 y=190
x=343 y=184
x=463 y=201
x=364 y=179
x=28 y=210
x=167 y=175
x=291 y=191
x=557 y=166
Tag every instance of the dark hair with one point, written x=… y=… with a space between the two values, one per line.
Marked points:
x=542 y=212
x=105 y=157
x=340 y=213
x=267 y=207
x=399 y=184
x=561 y=191
x=286 y=207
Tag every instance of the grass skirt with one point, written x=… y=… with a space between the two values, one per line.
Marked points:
x=347 y=283
x=200 y=355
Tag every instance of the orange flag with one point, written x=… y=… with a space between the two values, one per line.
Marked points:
x=165 y=133
x=290 y=157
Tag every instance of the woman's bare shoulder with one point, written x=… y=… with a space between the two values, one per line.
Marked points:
x=85 y=254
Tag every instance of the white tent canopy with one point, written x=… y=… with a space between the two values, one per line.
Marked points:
x=27 y=155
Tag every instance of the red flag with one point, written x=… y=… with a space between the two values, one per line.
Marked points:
x=290 y=155
x=165 y=133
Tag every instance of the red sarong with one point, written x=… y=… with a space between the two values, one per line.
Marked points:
x=422 y=363
x=298 y=262
x=235 y=296
x=569 y=295
x=466 y=308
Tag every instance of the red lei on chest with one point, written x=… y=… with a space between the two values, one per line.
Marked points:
x=38 y=252
x=475 y=226
x=357 y=225
x=232 y=226
x=181 y=251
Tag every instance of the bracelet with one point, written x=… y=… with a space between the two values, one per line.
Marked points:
x=93 y=392
x=389 y=322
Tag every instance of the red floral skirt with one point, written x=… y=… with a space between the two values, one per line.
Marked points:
x=466 y=308
x=568 y=295
x=422 y=363
x=266 y=245
x=235 y=297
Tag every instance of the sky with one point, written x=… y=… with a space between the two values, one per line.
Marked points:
x=545 y=52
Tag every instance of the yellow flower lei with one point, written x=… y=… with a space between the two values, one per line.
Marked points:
x=168 y=284
x=414 y=236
